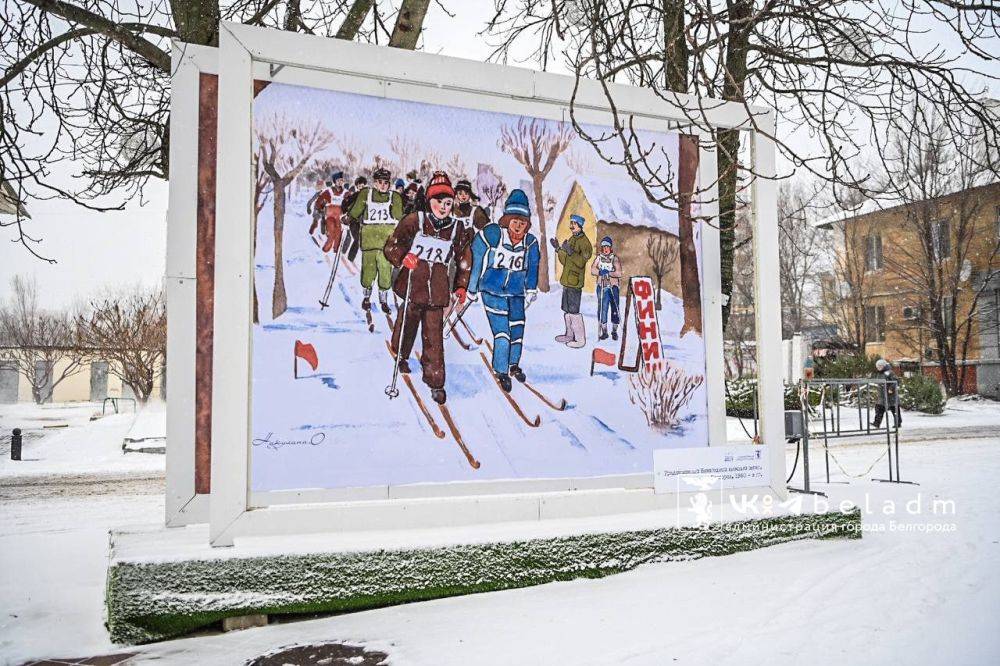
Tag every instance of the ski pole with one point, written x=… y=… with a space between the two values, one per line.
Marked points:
x=325 y=301
x=391 y=389
x=457 y=318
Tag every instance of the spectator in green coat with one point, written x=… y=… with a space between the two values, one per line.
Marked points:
x=574 y=253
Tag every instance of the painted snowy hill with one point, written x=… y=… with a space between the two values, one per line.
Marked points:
x=336 y=428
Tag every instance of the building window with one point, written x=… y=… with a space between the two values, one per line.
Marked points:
x=941 y=239
x=873 y=252
x=874 y=323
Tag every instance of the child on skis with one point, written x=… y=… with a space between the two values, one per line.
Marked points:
x=424 y=245
x=466 y=210
x=607 y=268
x=329 y=201
x=378 y=210
x=505 y=260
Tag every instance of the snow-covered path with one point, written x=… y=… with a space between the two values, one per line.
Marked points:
x=920 y=596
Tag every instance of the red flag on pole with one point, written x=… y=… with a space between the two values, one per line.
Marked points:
x=307 y=353
x=602 y=357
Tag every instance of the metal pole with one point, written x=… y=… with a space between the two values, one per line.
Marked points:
x=15 y=444
x=888 y=434
x=391 y=389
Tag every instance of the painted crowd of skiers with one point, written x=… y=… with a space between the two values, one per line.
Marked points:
x=439 y=251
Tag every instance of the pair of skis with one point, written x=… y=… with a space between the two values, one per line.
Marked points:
x=445 y=412
x=533 y=423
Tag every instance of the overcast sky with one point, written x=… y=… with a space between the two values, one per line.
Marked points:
x=95 y=250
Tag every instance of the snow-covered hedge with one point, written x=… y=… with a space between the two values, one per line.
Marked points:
x=740 y=392
x=921 y=393
x=151 y=601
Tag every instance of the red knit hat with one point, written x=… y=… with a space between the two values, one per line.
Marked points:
x=440 y=186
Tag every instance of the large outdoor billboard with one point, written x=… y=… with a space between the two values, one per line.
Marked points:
x=516 y=230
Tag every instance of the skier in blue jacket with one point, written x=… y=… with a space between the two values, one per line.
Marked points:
x=505 y=260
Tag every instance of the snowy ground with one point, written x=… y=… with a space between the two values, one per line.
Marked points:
x=307 y=432
x=72 y=485
x=62 y=438
x=923 y=595
x=961 y=416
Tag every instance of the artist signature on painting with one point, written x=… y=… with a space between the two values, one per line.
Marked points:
x=272 y=443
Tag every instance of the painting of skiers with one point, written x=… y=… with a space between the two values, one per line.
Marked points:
x=483 y=296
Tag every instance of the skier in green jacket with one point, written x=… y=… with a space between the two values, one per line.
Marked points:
x=378 y=210
x=574 y=253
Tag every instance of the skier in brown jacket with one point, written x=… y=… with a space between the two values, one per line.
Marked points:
x=425 y=245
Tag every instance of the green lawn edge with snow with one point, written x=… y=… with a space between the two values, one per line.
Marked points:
x=153 y=601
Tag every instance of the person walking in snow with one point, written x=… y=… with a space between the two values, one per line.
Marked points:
x=574 y=254
x=883 y=370
x=607 y=268
x=378 y=210
x=425 y=245
x=505 y=260
x=470 y=214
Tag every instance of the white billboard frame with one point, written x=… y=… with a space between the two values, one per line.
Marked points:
x=233 y=509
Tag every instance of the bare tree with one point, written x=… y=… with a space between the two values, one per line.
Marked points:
x=849 y=288
x=490 y=186
x=89 y=83
x=839 y=70
x=663 y=255
x=129 y=329
x=286 y=147
x=801 y=257
x=455 y=167
x=933 y=258
x=407 y=151
x=536 y=145
x=36 y=341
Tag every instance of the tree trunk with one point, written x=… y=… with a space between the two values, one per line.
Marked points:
x=197 y=21
x=279 y=300
x=690 y=280
x=355 y=19
x=659 y=288
x=543 y=242
x=675 y=46
x=737 y=48
x=409 y=22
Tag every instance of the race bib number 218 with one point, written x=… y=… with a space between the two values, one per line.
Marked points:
x=430 y=249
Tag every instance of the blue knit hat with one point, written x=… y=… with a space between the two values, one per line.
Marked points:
x=337 y=175
x=400 y=183
x=607 y=241
x=517 y=204
x=578 y=219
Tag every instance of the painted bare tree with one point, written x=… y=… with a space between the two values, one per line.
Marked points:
x=285 y=148
x=261 y=188
x=455 y=168
x=406 y=151
x=662 y=254
x=490 y=186
x=536 y=145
